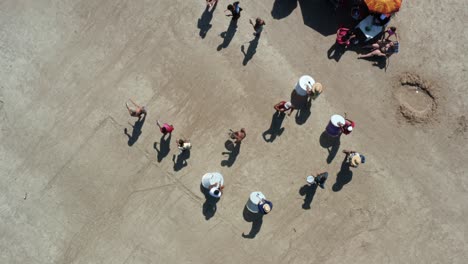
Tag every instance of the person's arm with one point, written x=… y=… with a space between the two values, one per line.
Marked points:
x=134 y=103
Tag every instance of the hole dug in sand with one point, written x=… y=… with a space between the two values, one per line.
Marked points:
x=417 y=103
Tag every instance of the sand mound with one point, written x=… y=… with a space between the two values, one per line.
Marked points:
x=416 y=97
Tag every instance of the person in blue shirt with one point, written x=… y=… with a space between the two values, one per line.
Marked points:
x=235 y=10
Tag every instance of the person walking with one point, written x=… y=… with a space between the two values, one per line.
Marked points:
x=136 y=111
x=284 y=106
x=238 y=136
x=258 y=26
x=319 y=179
x=183 y=145
x=353 y=158
x=165 y=128
x=235 y=10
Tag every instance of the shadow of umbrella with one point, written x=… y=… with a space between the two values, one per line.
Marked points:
x=320 y=16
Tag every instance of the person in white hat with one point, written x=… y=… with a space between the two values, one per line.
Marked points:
x=347 y=127
x=216 y=190
x=353 y=158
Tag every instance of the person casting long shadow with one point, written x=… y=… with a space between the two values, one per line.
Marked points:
x=205 y=19
x=332 y=144
x=335 y=52
x=256 y=220
x=308 y=191
x=209 y=206
x=233 y=152
x=275 y=127
x=136 y=131
x=344 y=176
x=164 y=147
x=228 y=35
x=251 y=50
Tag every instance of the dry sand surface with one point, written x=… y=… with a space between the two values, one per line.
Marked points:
x=73 y=190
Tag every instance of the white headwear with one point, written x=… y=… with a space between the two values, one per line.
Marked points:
x=350 y=128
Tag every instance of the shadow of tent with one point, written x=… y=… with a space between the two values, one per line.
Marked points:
x=320 y=16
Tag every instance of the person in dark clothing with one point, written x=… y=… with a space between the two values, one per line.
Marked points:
x=264 y=206
x=321 y=178
x=235 y=10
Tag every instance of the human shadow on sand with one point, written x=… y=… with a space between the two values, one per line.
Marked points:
x=250 y=51
x=332 y=144
x=275 y=127
x=136 y=132
x=304 y=113
x=256 y=219
x=228 y=35
x=344 y=176
x=180 y=160
x=283 y=8
x=209 y=206
x=233 y=152
x=164 y=147
x=308 y=191
x=205 y=19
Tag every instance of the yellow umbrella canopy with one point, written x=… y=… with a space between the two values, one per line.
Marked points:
x=383 y=6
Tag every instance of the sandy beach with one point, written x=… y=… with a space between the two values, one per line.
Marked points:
x=74 y=188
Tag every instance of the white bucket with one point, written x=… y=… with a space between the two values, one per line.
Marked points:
x=304 y=82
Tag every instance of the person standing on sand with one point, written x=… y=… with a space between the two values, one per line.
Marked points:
x=165 y=128
x=238 y=136
x=138 y=111
x=315 y=91
x=183 y=145
x=353 y=158
x=210 y=3
x=347 y=127
x=235 y=10
x=264 y=206
x=258 y=26
x=284 y=106
x=320 y=179
x=216 y=190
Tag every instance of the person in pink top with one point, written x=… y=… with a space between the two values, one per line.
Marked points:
x=165 y=128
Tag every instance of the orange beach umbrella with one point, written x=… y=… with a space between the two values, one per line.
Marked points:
x=383 y=6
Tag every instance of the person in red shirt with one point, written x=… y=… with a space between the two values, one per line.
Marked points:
x=165 y=128
x=347 y=127
x=284 y=106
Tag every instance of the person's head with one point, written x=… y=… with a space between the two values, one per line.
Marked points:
x=181 y=142
x=164 y=130
x=266 y=208
x=350 y=128
x=259 y=21
x=242 y=130
x=393 y=29
x=230 y=7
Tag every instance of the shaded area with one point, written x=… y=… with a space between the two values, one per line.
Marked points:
x=309 y=192
x=205 y=19
x=344 y=176
x=321 y=16
x=283 y=8
x=136 y=132
x=233 y=152
x=332 y=144
x=164 y=147
x=250 y=51
x=304 y=113
x=275 y=127
x=380 y=62
x=228 y=35
x=180 y=161
x=255 y=219
x=209 y=206
x=336 y=51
